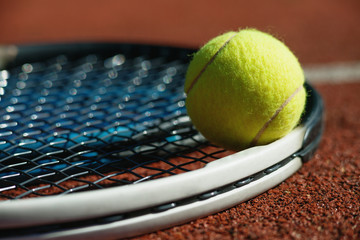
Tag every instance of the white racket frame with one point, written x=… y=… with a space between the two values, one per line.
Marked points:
x=117 y=200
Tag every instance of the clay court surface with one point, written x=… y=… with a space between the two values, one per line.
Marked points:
x=321 y=201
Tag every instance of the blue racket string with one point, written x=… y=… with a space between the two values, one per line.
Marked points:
x=64 y=118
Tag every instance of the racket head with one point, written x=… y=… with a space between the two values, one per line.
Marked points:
x=124 y=142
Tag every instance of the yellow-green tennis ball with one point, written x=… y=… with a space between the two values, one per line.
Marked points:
x=244 y=88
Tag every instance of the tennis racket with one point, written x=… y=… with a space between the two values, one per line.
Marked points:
x=95 y=143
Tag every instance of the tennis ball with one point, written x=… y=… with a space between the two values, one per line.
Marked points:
x=244 y=89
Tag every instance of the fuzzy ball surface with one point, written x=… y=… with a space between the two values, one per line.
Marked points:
x=244 y=89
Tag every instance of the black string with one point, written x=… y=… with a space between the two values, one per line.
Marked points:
x=70 y=125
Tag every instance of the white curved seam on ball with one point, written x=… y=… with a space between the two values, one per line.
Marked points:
x=208 y=63
x=277 y=112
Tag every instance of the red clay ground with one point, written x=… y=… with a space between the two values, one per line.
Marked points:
x=321 y=201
